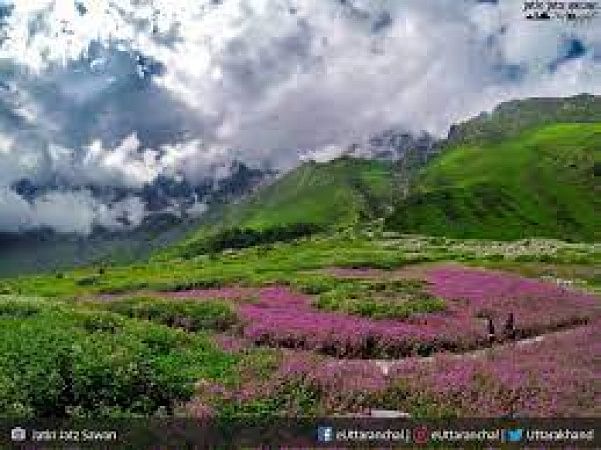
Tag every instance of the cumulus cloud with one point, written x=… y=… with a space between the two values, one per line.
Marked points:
x=67 y=212
x=120 y=93
x=127 y=165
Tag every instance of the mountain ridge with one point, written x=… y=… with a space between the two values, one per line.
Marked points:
x=543 y=183
x=509 y=119
x=389 y=182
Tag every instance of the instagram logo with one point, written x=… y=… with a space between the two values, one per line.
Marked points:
x=421 y=435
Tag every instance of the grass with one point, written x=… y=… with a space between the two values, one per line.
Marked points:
x=60 y=361
x=511 y=118
x=331 y=195
x=541 y=183
x=129 y=358
x=213 y=315
x=380 y=299
x=295 y=263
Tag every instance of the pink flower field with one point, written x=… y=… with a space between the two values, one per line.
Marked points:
x=278 y=316
x=558 y=376
x=538 y=306
x=334 y=363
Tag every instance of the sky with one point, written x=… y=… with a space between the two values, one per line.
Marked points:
x=108 y=96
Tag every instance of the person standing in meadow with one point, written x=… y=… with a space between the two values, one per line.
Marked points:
x=509 y=330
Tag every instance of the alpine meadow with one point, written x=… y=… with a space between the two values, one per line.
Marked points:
x=257 y=223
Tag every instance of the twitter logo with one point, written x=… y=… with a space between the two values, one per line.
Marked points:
x=514 y=435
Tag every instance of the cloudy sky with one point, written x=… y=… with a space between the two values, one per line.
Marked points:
x=99 y=94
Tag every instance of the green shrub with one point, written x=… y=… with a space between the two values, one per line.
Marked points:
x=237 y=238
x=102 y=322
x=88 y=281
x=16 y=308
x=188 y=314
x=64 y=363
x=188 y=285
x=316 y=285
x=380 y=299
x=5 y=290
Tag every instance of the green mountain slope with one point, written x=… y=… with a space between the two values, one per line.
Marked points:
x=512 y=118
x=314 y=196
x=545 y=182
x=335 y=193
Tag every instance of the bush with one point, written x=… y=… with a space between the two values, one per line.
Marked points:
x=238 y=238
x=88 y=281
x=380 y=299
x=102 y=322
x=316 y=285
x=5 y=289
x=191 y=315
x=64 y=363
x=15 y=308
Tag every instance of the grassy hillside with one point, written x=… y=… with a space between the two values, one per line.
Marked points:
x=334 y=193
x=510 y=119
x=315 y=196
x=545 y=182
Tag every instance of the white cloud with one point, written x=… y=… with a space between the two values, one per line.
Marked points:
x=45 y=32
x=66 y=212
x=14 y=211
x=257 y=80
x=195 y=160
x=128 y=165
x=5 y=145
x=268 y=78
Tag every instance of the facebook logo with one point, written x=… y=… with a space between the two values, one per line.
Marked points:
x=325 y=434
x=514 y=435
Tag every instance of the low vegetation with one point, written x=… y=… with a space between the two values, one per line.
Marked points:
x=380 y=300
x=61 y=361
x=504 y=382
x=237 y=238
x=296 y=262
x=190 y=315
x=77 y=351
